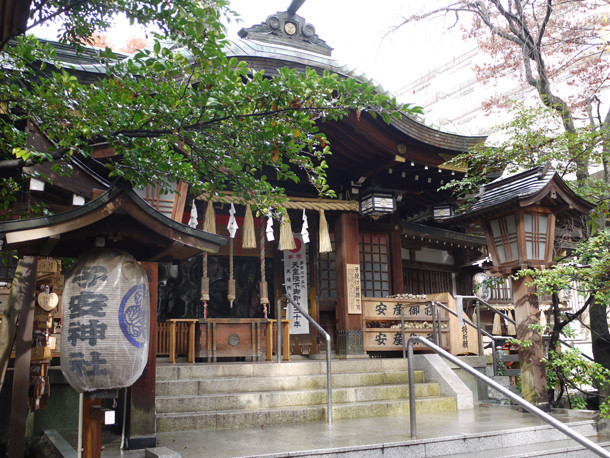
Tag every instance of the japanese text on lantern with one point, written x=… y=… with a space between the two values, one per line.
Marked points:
x=87 y=307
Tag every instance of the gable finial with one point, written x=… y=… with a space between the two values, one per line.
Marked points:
x=288 y=29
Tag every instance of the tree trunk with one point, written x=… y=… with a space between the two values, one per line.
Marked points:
x=8 y=327
x=600 y=335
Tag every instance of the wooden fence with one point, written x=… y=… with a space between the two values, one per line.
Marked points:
x=182 y=338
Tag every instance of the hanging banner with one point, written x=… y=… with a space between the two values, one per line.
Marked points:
x=295 y=281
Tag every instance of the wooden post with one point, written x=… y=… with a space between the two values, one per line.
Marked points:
x=349 y=325
x=21 y=376
x=269 y=336
x=8 y=326
x=92 y=429
x=396 y=260
x=142 y=424
x=172 y=341
x=533 y=379
x=285 y=339
x=191 y=352
x=347 y=239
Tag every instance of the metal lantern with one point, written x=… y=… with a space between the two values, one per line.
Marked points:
x=104 y=342
x=441 y=211
x=376 y=202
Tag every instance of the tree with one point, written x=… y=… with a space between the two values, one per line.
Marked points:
x=558 y=49
x=588 y=270
x=179 y=110
x=543 y=43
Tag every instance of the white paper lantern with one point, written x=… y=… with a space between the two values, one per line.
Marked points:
x=104 y=341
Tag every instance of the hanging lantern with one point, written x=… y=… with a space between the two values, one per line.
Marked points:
x=377 y=202
x=104 y=343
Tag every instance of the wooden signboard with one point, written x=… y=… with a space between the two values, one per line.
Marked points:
x=382 y=323
x=354 y=296
x=462 y=339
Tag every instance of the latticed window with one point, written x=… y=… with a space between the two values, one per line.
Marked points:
x=375 y=265
x=504 y=231
x=328 y=273
x=426 y=281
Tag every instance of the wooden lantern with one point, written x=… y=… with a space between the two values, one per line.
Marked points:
x=518 y=217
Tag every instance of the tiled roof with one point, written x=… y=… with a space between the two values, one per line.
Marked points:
x=535 y=185
x=515 y=187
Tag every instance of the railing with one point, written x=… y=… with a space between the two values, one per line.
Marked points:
x=496 y=386
x=176 y=337
x=479 y=301
x=437 y=329
x=320 y=329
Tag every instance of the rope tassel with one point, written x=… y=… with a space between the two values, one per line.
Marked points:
x=496 y=329
x=325 y=245
x=248 y=237
x=286 y=236
x=264 y=293
x=209 y=223
x=511 y=331
x=232 y=228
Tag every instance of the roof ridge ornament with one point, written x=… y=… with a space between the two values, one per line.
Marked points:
x=288 y=29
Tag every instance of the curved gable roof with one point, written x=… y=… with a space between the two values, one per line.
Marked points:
x=122 y=218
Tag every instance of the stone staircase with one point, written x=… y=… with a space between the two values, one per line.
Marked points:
x=240 y=395
x=525 y=442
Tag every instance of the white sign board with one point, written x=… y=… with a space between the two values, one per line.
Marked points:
x=295 y=281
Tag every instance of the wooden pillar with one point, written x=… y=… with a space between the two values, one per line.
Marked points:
x=527 y=312
x=142 y=424
x=23 y=354
x=92 y=429
x=398 y=285
x=349 y=326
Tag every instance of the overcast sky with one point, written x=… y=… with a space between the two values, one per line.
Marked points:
x=356 y=29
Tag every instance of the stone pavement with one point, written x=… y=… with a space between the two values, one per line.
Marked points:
x=360 y=434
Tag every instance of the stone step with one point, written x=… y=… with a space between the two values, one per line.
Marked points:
x=530 y=441
x=167 y=422
x=554 y=449
x=193 y=387
x=178 y=371
x=270 y=399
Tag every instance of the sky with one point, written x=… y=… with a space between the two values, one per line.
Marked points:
x=358 y=32
x=356 y=29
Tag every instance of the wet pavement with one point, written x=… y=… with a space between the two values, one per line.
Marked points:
x=348 y=434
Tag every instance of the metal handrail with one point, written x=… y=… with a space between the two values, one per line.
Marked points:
x=469 y=323
x=329 y=386
x=459 y=300
x=496 y=386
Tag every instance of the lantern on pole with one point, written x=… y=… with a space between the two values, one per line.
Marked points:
x=104 y=343
x=518 y=216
